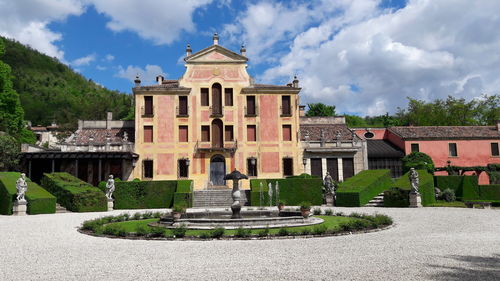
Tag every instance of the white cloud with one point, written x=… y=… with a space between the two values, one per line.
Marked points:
x=147 y=74
x=157 y=20
x=109 y=57
x=100 y=67
x=84 y=60
x=27 y=22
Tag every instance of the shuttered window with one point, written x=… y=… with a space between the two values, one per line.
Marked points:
x=183 y=133
x=494 y=149
x=228 y=133
x=285 y=106
x=414 y=147
x=183 y=105
x=287 y=132
x=288 y=166
x=204 y=96
x=251 y=133
x=228 y=96
x=250 y=106
x=148 y=133
x=453 y=149
x=205 y=133
x=148 y=105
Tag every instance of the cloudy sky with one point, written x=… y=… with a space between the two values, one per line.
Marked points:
x=363 y=56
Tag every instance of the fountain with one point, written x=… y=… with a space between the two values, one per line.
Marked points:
x=211 y=219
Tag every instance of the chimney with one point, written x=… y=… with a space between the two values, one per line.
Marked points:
x=216 y=38
x=243 y=50
x=498 y=125
x=189 y=51
x=159 y=79
x=302 y=110
x=295 y=82
x=137 y=81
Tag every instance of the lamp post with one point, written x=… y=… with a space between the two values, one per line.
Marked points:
x=304 y=162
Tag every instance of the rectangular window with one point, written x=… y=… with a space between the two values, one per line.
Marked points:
x=348 y=167
x=252 y=167
x=251 y=110
x=183 y=134
x=287 y=132
x=228 y=96
x=204 y=96
x=494 y=149
x=316 y=167
x=285 y=106
x=414 y=147
x=228 y=133
x=148 y=133
x=251 y=133
x=452 y=147
x=183 y=168
x=148 y=106
x=147 y=166
x=183 y=106
x=287 y=167
x=205 y=133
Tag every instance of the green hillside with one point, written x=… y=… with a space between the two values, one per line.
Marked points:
x=51 y=91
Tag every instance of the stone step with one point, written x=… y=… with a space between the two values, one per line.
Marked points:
x=60 y=209
x=215 y=198
x=377 y=201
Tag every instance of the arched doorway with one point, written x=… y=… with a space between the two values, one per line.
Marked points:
x=217 y=133
x=217 y=170
x=216 y=99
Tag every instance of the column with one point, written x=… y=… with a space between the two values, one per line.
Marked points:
x=340 y=169
x=323 y=168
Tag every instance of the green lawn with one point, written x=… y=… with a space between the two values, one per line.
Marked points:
x=442 y=203
x=331 y=222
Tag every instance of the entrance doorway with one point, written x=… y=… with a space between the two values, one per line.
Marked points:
x=217 y=170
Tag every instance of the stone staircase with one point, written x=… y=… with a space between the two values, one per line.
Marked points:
x=60 y=209
x=215 y=198
x=377 y=201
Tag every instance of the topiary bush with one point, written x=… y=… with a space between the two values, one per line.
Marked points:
x=75 y=194
x=357 y=191
x=448 y=195
x=419 y=161
x=293 y=190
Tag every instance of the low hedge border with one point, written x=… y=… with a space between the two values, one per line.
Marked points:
x=39 y=200
x=293 y=191
x=75 y=194
x=462 y=185
x=107 y=227
x=398 y=195
x=357 y=191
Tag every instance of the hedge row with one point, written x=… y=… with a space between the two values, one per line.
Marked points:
x=457 y=183
x=477 y=192
x=292 y=191
x=75 y=194
x=184 y=194
x=398 y=195
x=39 y=200
x=357 y=191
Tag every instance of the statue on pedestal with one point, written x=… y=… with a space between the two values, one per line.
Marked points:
x=110 y=187
x=329 y=189
x=22 y=187
x=413 y=175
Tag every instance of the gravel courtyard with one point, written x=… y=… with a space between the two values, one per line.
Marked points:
x=425 y=244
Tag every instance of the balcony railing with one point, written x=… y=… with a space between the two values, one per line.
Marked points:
x=251 y=111
x=147 y=112
x=229 y=146
x=216 y=111
x=285 y=111
x=182 y=112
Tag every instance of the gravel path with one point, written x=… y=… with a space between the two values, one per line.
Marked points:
x=425 y=244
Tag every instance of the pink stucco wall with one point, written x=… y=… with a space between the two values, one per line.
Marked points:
x=396 y=140
x=270 y=162
x=166 y=114
x=166 y=164
x=268 y=110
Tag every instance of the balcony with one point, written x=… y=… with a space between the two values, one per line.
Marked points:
x=147 y=111
x=229 y=146
x=182 y=111
x=285 y=111
x=216 y=111
x=251 y=111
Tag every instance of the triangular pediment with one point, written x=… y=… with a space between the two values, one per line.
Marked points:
x=215 y=54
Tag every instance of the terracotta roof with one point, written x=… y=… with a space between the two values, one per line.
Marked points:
x=99 y=136
x=271 y=86
x=330 y=132
x=447 y=132
x=163 y=85
x=383 y=149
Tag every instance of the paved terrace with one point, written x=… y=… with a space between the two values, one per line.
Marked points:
x=425 y=244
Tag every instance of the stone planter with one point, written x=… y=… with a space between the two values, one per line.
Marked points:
x=176 y=215
x=329 y=199
x=305 y=212
x=281 y=206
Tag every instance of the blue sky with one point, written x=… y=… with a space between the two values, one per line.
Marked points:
x=364 y=56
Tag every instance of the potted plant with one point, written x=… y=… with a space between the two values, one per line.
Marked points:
x=305 y=209
x=177 y=211
x=281 y=205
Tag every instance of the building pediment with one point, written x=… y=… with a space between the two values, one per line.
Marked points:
x=215 y=54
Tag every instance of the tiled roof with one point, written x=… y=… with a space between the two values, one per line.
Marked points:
x=100 y=136
x=164 y=85
x=330 y=132
x=447 y=132
x=271 y=86
x=383 y=149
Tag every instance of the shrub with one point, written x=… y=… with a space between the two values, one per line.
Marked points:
x=141 y=231
x=242 y=232
x=328 y=212
x=147 y=215
x=144 y=194
x=264 y=232
x=459 y=184
x=419 y=161
x=306 y=231
x=448 y=195
x=283 y=231
x=317 y=211
x=157 y=232
x=358 y=190
x=75 y=194
x=396 y=197
x=179 y=231
x=137 y=216
x=380 y=219
x=204 y=235
x=319 y=229
x=293 y=190
x=114 y=230
x=218 y=232
x=305 y=205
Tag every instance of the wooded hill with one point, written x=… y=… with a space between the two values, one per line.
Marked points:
x=52 y=92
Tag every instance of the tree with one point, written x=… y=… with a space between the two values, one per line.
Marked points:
x=9 y=153
x=320 y=109
x=355 y=121
x=419 y=161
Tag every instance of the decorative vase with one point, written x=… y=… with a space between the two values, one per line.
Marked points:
x=305 y=212
x=281 y=206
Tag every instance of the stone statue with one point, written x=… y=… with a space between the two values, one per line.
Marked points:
x=22 y=187
x=110 y=187
x=125 y=137
x=413 y=176
x=328 y=184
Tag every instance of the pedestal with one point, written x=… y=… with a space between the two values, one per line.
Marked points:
x=329 y=200
x=415 y=200
x=20 y=208
x=111 y=204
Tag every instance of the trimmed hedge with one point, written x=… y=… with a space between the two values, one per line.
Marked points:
x=403 y=185
x=457 y=183
x=39 y=200
x=357 y=191
x=183 y=194
x=75 y=194
x=293 y=191
x=489 y=193
x=144 y=194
